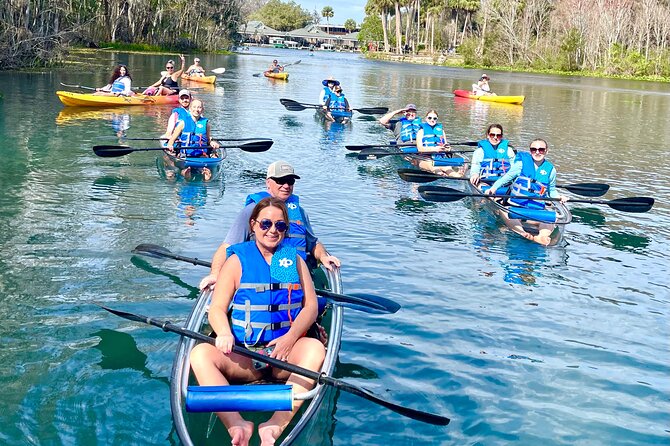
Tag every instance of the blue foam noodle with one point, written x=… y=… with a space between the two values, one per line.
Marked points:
x=532 y=214
x=253 y=398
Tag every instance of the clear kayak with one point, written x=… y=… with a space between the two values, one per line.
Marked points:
x=283 y=75
x=201 y=79
x=490 y=98
x=205 y=428
x=91 y=100
x=196 y=166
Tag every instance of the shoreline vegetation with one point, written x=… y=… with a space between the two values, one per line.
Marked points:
x=457 y=61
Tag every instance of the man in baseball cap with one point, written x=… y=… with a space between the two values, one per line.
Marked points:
x=279 y=183
x=405 y=128
x=184 y=92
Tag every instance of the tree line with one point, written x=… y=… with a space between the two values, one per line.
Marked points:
x=36 y=32
x=614 y=37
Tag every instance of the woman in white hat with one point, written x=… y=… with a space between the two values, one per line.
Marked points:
x=328 y=86
x=482 y=86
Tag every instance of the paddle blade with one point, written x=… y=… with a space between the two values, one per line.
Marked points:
x=442 y=194
x=377 y=302
x=418 y=415
x=257 y=146
x=107 y=151
x=373 y=110
x=632 y=204
x=587 y=189
x=151 y=250
x=218 y=70
x=418 y=176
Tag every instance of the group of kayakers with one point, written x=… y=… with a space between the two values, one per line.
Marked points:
x=494 y=163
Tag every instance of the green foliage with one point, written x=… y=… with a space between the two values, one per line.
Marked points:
x=350 y=25
x=371 y=29
x=628 y=62
x=467 y=50
x=282 y=16
x=569 y=51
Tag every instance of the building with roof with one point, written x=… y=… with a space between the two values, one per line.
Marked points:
x=309 y=36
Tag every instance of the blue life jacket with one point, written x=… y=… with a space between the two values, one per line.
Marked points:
x=118 y=86
x=531 y=182
x=329 y=94
x=432 y=136
x=194 y=134
x=337 y=102
x=496 y=161
x=409 y=129
x=296 y=236
x=269 y=297
x=182 y=113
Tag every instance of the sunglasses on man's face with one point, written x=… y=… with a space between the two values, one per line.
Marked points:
x=266 y=223
x=539 y=150
x=286 y=180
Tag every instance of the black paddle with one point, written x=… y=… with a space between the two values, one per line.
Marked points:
x=284 y=66
x=378 y=303
x=213 y=137
x=585 y=189
x=108 y=151
x=447 y=194
x=316 y=376
x=373 y=154
x=371 y=146
x=292 y=105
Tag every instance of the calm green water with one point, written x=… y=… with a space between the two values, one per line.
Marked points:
x=516 y=343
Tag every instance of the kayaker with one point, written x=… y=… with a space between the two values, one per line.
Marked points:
x=167 y=84
x=431 y=139
x=278 y=333
x=279 y=182
x=336 y=101
x=195 y=70
x=405 y=128
x=119 y=83
x=493 y=156
x=531 y=175
x=327 y=91
x=482 y=86
x=193 y=136
x=179 y=113
x=275 y=67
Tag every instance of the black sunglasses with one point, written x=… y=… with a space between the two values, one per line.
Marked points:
x=266 y=223
x=495 y=135
x=538 y=149
x=169 y=68
x=284 y=180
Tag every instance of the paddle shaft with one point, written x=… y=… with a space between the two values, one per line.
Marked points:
x=320 y=378
x=79 y=86
x=376 y=302
x=213 y=137
x=381 y=146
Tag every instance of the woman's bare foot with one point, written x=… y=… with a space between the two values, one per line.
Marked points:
x=207 y=174
x=241 y=434
x=269 y=433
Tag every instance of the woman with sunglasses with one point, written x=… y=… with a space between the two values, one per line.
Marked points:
x=482 y=87
x=430 y=139
x=492 y=158
x=530 y=176
x=167 y=84
x=240 y=314
x=119 y=83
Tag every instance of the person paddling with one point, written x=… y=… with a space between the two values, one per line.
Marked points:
x=336 y=102
x=327 y=91
x=195 y=70
x=167 y=84
x=481 y=87
x=275 y=67
x=405 y=128
x=531 y=175
x=279 y=182
x=119 y=83
x=492 y=158
x=431 y=139
x=180 y=113
x=273 y=321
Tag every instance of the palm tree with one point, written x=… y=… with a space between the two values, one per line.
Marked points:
x=327 y=12
x=350 y=25
x=380 y=7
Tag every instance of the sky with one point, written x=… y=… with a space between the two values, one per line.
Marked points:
x=343 y=9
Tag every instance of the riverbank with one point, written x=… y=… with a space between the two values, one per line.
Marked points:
x=457 y=61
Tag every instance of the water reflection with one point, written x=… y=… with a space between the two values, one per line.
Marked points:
x=119 y=351
x=592 y=217
x=626 y=241
x=108 y=188
x=148 y=267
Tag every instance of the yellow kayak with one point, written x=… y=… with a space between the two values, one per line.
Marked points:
x=283 y=75
x=92 y=100
x=490 y=98
x=201 y=79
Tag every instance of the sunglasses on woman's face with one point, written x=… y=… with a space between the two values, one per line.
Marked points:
x=169 y=68
x=495 y=135
x=266 y=223
x=539 y=150
x=431 y=118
